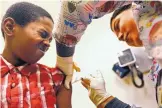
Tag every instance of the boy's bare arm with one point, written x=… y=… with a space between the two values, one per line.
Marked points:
x=64 y=97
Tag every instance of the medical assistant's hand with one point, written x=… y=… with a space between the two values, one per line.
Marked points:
x=67 y=65
x=96 y=88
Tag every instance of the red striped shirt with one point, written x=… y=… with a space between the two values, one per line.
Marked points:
x=27 y=86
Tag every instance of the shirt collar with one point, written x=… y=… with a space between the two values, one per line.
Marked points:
x=6 y=67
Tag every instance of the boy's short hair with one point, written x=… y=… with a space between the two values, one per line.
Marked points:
x=118 y=11
x=24 y=13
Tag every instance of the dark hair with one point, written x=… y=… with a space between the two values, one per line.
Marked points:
x=118 y=11
x=24 y=13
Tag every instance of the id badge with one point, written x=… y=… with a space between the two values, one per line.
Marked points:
x=159 y=91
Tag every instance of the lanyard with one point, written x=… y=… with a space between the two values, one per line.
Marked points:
x=159 y=89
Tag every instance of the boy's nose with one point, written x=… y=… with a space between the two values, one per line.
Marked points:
x=47 y=43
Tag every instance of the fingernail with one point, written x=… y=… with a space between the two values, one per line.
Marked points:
x=68 y=88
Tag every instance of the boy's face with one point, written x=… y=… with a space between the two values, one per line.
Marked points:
x=29 y=43
x=123 y=25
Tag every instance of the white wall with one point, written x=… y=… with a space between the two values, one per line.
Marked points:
x=96 y=50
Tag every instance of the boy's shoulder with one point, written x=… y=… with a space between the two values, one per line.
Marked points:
x=42 y=66
x=52 y=70
x=56 y=73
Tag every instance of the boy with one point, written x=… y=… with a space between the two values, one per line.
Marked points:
x=27 y=31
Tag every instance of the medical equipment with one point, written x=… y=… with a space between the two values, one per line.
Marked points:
x=120 y=71
x=86 y=73
x=126 y=58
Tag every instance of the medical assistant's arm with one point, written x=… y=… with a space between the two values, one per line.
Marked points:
x=74 y=17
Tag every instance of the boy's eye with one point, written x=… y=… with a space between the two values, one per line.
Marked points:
x=44 y=34
x=50 y=40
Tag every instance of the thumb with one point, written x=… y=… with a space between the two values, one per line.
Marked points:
x=86 y=83
x=68 y=81
x=75 y=67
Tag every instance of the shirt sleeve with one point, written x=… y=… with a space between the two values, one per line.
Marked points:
x=57 y=78
x=74 y=17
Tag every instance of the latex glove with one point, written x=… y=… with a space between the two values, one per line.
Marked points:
x=96 y=88
x=67 y=65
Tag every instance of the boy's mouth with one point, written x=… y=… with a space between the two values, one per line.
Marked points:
x=43 y=48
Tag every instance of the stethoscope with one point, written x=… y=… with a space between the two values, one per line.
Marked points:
x=133 y=69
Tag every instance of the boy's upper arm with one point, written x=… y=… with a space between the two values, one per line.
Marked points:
x=64 y=97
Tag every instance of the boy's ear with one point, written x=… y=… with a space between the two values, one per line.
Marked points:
x=8 y=26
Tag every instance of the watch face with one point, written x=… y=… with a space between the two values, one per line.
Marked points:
x=126 y=58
